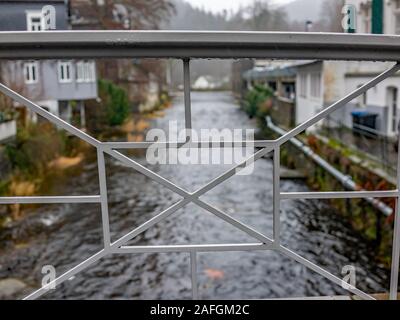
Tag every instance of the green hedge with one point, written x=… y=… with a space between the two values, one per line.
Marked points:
x=256 y=99
x=115 y=101
x=34 y=147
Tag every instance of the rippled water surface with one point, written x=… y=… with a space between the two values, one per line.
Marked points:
x=66 y=235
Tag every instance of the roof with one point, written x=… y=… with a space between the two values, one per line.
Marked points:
x=300 y=64
x=269 y=72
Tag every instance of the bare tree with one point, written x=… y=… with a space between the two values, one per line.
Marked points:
x=261 y=17
x=331 y=16
x=124 y=14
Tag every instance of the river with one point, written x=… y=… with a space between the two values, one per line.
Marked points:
x=64 y=235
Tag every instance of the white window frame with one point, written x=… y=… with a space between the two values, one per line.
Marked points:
x=85 y=71
x=63 y=68
x=34 y=15
x=396 y=16
x=92 y=71
x=393 y=109
x=31 y=74
x=366 y=16
x=80 y=76
x=362 y=99
x=315 y=85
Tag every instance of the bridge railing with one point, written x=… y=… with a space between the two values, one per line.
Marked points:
x=186 y=46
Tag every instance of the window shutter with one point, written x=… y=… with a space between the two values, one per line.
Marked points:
x=377 y=16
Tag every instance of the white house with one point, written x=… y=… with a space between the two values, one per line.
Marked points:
x=320 y=83
x=59 y=86
x=385 y=12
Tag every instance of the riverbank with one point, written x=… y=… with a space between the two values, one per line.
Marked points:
x=41 y=157
x=374 y=226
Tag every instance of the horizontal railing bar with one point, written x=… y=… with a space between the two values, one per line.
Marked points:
x=193 y=144
x=339 y=195
x=198 y=44
x=49 y=200
x=194 y=248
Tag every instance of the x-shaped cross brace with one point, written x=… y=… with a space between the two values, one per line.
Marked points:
x=190 y=197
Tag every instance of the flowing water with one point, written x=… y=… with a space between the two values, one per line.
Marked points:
x=65 y=235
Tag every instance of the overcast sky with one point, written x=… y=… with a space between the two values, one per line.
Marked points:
x=219 y=5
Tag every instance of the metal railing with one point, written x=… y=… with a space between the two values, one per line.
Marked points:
x=372 y=143
x=187 y=45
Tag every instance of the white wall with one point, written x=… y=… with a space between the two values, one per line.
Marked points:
x=377 y=99
x=8 y=129
x=308 y=106
x=388 y=16
x=51 y=106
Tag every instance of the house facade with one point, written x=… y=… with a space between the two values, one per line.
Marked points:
x=59 y=86
x=142 y=79
x=321 y=83
x=280 y=77
x=377 y=16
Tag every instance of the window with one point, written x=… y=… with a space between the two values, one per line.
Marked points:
x=394 y=111
x=366 y=16
x=79 y=72
x=303 y=85
x=396 y=12
x=85 y=71
x=362 y=99
x=92 y=70
x=31 y=72
x=34 y=21
x=392 y=97
x=315 y=89
x=64 y=71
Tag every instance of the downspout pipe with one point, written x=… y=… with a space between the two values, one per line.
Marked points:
x=346 y=180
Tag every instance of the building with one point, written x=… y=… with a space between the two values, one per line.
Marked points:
x=239 y=67
x=280 y=77
x=377 y=16
x=321 y=83
x=310 y=86
x=142 y=79
x=59 y=86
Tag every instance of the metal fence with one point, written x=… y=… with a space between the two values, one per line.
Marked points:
x=185 y=46
x=373 y=144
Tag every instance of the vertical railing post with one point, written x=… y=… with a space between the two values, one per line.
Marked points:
x=187 y=99
x=394 y=278
x=193 y=267
x=276 y=195
x=103 y=197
